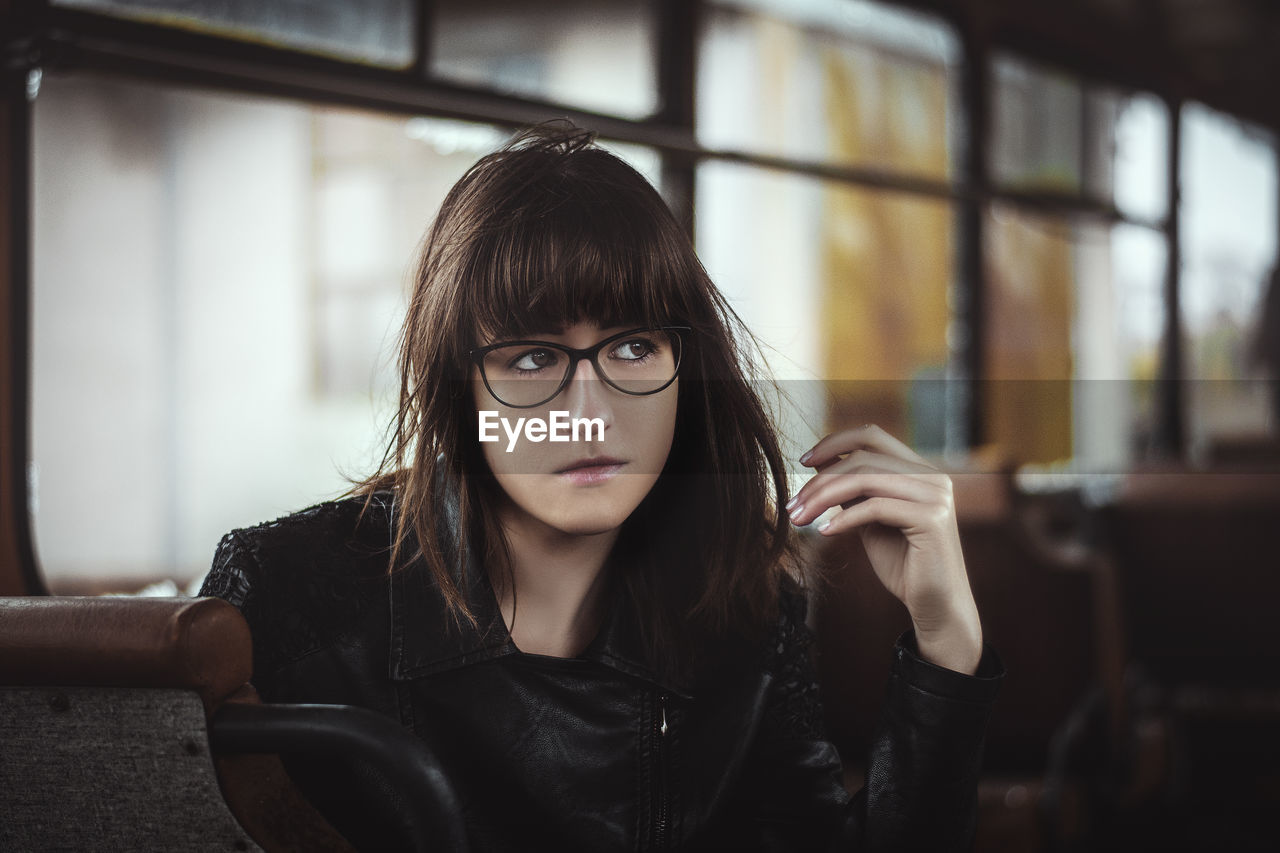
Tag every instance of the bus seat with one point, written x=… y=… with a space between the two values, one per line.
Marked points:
x=104 y=707
x=1194 y=550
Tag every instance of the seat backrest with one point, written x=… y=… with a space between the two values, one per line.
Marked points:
x=1199 y=574
x=103 y=720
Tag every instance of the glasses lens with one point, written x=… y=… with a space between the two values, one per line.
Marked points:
x=529 y=374
x=641 y=362
x=524 y=374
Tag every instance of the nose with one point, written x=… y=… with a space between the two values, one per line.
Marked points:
x=586 y=396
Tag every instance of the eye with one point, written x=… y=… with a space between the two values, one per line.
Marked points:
x=534 y=359
x=634 y=349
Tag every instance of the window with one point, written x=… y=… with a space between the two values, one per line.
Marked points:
x=853 y=83
x=1075 y=322
x=376 y=32
x=1037 y=127
x=218 y=282
x=1228 y=235
x=849 y=289
x=1075 y=315
x=594 y=54
x=847 y=286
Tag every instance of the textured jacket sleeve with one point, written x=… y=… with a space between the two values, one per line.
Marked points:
x=231 y=576
x=926 y=754
x=295 y=582
x=924 y=761
x=236 y=577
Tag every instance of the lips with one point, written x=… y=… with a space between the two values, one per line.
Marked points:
x=591 y=462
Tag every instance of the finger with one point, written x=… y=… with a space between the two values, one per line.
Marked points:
x=843 y=490
x=868 y=436
x=891 y=512
x=866 y=460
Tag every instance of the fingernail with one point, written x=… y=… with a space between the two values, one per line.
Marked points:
x=823 y=526
x=799 y=509
x=792 y=502
x=804 y=460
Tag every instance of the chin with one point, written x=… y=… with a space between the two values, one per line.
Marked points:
x=582 y=527
x=590 y=522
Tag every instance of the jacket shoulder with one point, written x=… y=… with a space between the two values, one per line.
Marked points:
x=301 y=579
x=313 y=538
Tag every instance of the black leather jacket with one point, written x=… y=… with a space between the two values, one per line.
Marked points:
x=596 y=752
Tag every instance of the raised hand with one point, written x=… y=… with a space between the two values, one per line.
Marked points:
x=904 y=511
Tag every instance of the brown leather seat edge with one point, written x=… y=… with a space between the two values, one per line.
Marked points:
x=200 y=644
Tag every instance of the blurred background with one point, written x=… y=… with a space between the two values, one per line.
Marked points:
x=1033 y=239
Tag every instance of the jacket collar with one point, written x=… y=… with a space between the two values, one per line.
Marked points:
x=425 y=640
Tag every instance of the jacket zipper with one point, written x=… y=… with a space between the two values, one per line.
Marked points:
x=661 y=806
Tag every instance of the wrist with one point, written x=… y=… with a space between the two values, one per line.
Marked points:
x=953 y=641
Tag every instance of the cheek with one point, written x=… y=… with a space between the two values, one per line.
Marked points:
x=647 y=429
x=505 y=457
x=523 y=457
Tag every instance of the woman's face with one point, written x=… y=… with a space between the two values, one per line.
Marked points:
x=631 y=434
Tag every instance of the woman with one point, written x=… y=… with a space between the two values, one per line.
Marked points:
x=603 y=639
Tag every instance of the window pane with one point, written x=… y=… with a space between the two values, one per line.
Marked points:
x=1031 y=276
x=1053 y=133
x=218 y=282
x=1120 y=319
x=854 y=83
x=1075 y=320
x=1141 y=144
x=1126 y=152
x=1228 y=234
x=375 y=183
x=1036 y=127
x=378 y=32
x=847 y=287
x=593 y=54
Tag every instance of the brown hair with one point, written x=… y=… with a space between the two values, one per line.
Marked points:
x=549 y=230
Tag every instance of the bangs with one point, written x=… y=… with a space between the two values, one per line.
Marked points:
x=561 y=251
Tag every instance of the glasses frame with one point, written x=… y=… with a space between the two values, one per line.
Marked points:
x=590 y=354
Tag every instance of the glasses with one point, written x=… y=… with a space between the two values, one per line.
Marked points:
x=524 y=374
